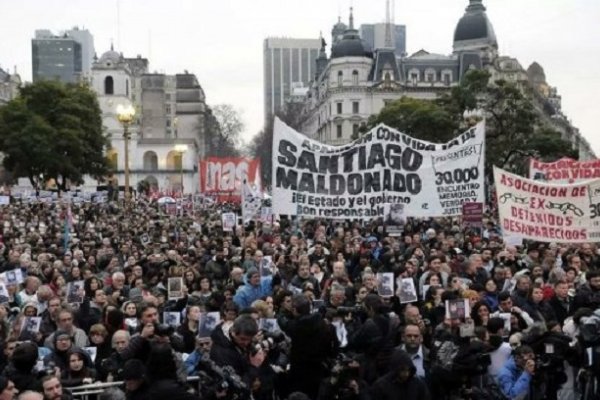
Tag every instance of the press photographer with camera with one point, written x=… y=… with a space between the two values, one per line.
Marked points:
x=345 y=382
x=233 y=348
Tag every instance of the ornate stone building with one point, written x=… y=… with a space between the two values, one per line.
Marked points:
x=357 y=81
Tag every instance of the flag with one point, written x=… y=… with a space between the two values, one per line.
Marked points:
x=251 y=202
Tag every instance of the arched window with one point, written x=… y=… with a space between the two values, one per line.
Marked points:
x=174 y=160
x=340 y=78
x=355 y=78
x=150 y=161
x=109 y=85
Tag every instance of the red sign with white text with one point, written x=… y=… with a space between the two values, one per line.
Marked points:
x=221 y=178
x=565 y=170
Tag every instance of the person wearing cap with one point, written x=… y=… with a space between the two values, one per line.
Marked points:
x=134 y=375
x=65 y=324
x=8 y=391
x=256 y=287
x=60 y=353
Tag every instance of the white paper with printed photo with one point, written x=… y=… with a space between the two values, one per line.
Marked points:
x=385 y=284
x=172 y=318
x=406 y=292
x=208 y=323
x=228 y=221
x=175 y=288
x=4 y=296
x=31 y=324
x=75 y=292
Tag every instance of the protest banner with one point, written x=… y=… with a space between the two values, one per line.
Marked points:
x=354 y=181
x=221 y=178
x=565 y=170
x=251 y=202
x=547 y=212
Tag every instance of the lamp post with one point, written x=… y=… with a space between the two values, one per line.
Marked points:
x=181 y=149
x=125 y=116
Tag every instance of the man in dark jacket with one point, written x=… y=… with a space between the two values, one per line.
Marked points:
x=400 y=382
x=313 y=342
x=233 y=349
x=20 y=367
x=560 y=302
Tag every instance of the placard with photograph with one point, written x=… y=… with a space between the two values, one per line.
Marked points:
x=458 y=309
x=13 y=276
x=268 y=325
x=175 y=288
x=172 y=318
x=228 y=221
x=394 y=218
x=31 y=324
x=407 y=293
x=266 y=266
x=385 y=284
x=208 y=323
x=75 y=292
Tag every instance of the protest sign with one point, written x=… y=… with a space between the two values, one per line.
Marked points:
x=222 y=177
x=472 y=215
x=354 y=181
x=228 y=221
x=565 y=170
x=394 y=219
x=4 y=200
x=547 y=212
x=251 y=202
x=266 y=215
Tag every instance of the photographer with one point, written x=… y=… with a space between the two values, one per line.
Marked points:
x=233 y=349
x=313 y=342
x=374 y=338
x=515 y=378
x=345 y=382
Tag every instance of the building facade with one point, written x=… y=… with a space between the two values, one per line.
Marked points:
x=375 y=36
x=286 y=62
x=9 y=86
x=169 y=111
x=358 y=80
x=66 y=57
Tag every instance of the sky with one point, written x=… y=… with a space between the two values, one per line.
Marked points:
x=221 y=41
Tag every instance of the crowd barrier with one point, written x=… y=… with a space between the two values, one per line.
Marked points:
x=91 y=391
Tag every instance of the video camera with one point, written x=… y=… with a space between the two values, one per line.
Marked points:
x=223 y=379
x=270 y=341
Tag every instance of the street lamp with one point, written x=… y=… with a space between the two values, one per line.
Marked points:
x=125 y=116
x=181 y=148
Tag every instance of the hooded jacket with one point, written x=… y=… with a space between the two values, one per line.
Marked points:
x=389 y=387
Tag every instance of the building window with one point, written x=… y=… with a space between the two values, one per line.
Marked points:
x=127 y=87
x=355 y=78
x=338 y=129
x=355 y=128
x=168 y=109
x=168 y=96
x=109 y=85
x=168 y=122
x=447 y=78
x=430 y=77
x=340 y=78
x=355 y=107
x=339 y=107
x=414 y=78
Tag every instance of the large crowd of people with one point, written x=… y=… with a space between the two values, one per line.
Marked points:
x=170 y=306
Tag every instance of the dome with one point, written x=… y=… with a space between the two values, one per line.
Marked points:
x=475 y=26
x=110 y=56
x=351 y=45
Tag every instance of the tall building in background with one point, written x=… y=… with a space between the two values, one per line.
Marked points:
x=66 y=57
x=286 y=63
x=374 y=35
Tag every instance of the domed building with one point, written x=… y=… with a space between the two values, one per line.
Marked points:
x=356 y=81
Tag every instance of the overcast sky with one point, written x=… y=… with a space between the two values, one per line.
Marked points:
x=221 y=40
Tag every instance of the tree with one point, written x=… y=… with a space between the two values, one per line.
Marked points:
x=53 y=131
x=224 y=133
x=423 y=119
x=514 y=131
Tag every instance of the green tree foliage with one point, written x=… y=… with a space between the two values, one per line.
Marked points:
x=53 y=131
x=514 y=130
